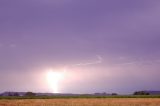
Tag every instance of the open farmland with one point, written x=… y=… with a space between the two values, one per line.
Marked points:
x=82 y=102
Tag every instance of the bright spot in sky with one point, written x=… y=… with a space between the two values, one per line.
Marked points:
x=53 y=78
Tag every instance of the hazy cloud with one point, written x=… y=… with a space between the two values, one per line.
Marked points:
x=12 y=45
x=1 y=45
x=98 y=61
x=140 y=62
x=50 y=32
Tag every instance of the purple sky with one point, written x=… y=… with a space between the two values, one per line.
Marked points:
x=39 y=34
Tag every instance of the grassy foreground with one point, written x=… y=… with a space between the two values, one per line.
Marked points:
x=83 y=102
x=81 y=96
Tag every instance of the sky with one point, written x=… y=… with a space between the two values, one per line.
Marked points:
x=103 y=45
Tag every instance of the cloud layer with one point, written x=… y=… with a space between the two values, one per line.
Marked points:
x=35 y=34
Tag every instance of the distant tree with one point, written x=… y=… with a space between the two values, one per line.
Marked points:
x=140 y=93
x=114 y=94
x=97 y=93
x=15 y=94
x=10 y=94
x=30 y=94
x=104 y=93
x=100 y=94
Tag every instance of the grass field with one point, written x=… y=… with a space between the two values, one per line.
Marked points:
x=80 y=96
x=82 y=102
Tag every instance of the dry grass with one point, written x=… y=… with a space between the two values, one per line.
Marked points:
x=83 y=102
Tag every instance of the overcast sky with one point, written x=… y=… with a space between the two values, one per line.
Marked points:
x=107 y=45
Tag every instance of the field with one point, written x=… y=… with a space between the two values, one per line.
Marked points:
x=82 y=102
